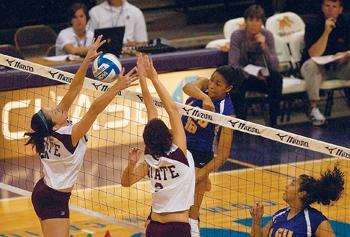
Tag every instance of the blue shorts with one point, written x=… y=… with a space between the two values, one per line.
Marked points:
x=201 y=158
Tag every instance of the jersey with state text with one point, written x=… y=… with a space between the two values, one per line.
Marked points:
x=199 y=133
x=172 y=177
x=304 y=224
x=61 y=160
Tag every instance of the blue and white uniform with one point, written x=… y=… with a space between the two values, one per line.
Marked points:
x=200 y=134
x=304 y=224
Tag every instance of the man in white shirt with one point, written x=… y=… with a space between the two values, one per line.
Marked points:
x=75 y=39
x=114 y=13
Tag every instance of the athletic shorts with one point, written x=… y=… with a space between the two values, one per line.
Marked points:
x=49 y=203
x=169 y=229
x=201 y=158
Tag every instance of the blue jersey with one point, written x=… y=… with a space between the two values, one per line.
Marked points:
x=200 y=134
x=304 y=224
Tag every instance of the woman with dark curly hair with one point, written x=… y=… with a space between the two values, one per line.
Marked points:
x=300 y=219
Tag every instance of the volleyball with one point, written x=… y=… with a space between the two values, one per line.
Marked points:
x=106 y=67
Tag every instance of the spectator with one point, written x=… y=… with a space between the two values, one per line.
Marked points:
x=329 y=34
x=255 y=45
x=113 y=13
x=75 y=39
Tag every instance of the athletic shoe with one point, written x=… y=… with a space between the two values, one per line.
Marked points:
x=317 y=117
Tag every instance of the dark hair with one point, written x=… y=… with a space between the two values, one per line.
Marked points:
x=232 y=76
x=42 y=128
x=254 y=11
x=157 y=137
x=341 y=2
x=74 y=8
x=327 y=189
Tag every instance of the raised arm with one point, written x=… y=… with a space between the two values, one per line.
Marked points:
x=257 y=213
x=133 y=172
x=152 y=111
x=224 y=151
x=78 y=80
x=178 y=132
x=319 y=47
x=81 y=128
x=196 y=90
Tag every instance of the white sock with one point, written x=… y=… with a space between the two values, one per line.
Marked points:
x=194 y=227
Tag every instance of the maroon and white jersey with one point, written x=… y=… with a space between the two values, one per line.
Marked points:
x=61 y=160
x=172 y=179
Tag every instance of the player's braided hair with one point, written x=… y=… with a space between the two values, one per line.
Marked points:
x=326 y=190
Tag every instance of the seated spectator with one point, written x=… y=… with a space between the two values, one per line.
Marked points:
x=114 y=13
x=329 y=34
x=255 y=45
x=75 y=39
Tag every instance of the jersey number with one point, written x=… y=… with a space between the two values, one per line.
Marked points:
x=158 y=186
x=191 y=126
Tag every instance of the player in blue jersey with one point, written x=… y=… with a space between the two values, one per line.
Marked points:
x=213 y=95
x=299 y=219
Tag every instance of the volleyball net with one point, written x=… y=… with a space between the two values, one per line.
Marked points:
x=263 y=160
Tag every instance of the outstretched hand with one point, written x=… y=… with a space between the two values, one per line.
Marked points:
x=134 y=155
x=257 y=212
x=92 y=52
x=141 y=68
x=145 y=67
x=125 y=81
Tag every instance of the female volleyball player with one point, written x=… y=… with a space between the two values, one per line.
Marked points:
x=299 y=218
x=167 y=162
x=62 y=145
x=210 y=94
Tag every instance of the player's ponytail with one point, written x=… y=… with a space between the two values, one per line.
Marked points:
x=42 y=127
x=325 y=190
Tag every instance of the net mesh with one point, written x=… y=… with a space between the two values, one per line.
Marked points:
x=257 y=170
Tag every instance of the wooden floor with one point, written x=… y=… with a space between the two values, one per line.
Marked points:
x=225 y=207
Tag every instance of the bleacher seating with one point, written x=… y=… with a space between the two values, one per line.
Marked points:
x=229 y=27
x=34 y=40
x=289 y=29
